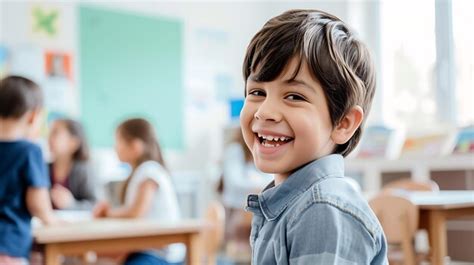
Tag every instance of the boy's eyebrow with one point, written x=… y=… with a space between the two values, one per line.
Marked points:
x=292 y=81
x=300 y=82
x=252 y=78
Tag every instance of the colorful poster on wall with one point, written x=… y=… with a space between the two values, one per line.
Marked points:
x=45 y=21
x=59 y=89
x=236 y=105
x=58 y=64
x=3 y=61
x=51 y=24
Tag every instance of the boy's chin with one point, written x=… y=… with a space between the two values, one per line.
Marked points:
x=271 y=167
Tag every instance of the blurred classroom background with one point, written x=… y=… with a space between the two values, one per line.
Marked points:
x=178 y=64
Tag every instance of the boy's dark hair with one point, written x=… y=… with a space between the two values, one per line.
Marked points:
x=335 y=57
x=18 y=95
x=75 y=129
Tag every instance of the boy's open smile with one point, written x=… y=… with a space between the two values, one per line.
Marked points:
x=270 y=143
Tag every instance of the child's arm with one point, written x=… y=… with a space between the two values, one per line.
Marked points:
x=80 y=195
x=101 y=209
x=39 y=204
x=140 y=206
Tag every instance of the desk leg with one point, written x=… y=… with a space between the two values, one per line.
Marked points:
x=192 y=247
x=437 y=233
x=51 y=255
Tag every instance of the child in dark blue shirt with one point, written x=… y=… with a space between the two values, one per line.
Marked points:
x=24 y=180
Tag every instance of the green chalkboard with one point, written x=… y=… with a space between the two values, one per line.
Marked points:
x=130 y=65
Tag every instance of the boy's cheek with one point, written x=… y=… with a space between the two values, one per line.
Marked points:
x=247 y=112
x=246 y=124
x=244 y=120
x=248 y=136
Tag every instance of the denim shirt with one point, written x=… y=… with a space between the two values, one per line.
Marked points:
x=315 y=217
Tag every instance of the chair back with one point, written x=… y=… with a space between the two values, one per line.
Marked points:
x=399 y=219
x=213 y=235
x=411 y=185
x=398 y=216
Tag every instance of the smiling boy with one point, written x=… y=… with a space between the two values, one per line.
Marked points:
x=309 y=85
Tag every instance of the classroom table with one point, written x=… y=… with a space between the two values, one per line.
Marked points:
x=435 y=209
x=116 y=235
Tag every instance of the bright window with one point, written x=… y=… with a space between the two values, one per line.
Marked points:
x=463 y=20
x=408 y=47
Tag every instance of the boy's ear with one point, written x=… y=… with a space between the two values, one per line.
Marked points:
x=348 y=125
x=33 y=119
x=32 y=116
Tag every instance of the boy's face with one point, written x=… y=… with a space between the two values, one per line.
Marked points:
x=294 y=112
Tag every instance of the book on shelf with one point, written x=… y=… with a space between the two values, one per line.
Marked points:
x=427 y=145
x=380 y=142
x=464 y=141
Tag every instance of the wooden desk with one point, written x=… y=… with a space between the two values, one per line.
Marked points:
x=109 y=235
x=435 y=209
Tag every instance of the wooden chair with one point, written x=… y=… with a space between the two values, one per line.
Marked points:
x=212 y=237
x=399 y=219
x=237 y=234
x=411 y=185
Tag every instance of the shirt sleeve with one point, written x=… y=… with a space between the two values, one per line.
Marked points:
x=150 y=170
x=35 y=171
x=324 y=234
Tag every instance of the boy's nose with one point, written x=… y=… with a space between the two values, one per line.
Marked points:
x=268 y=111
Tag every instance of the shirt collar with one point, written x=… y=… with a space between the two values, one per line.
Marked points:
x=274 y=199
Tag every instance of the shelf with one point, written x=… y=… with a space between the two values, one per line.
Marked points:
x=453 y=162
x=420 y=168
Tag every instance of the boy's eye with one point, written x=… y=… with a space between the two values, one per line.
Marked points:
x=295 y=97
x=256 y=92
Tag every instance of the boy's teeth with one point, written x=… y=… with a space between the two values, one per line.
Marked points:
x=268 y=145
x=272 y=138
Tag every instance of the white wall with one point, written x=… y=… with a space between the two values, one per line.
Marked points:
x=236 y=21
x=216 y=35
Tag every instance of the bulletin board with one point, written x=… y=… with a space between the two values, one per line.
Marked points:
x=130 y=65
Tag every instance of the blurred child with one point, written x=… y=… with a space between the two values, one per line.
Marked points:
x=148 y=192
x=72 y=186
x=24 y=179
